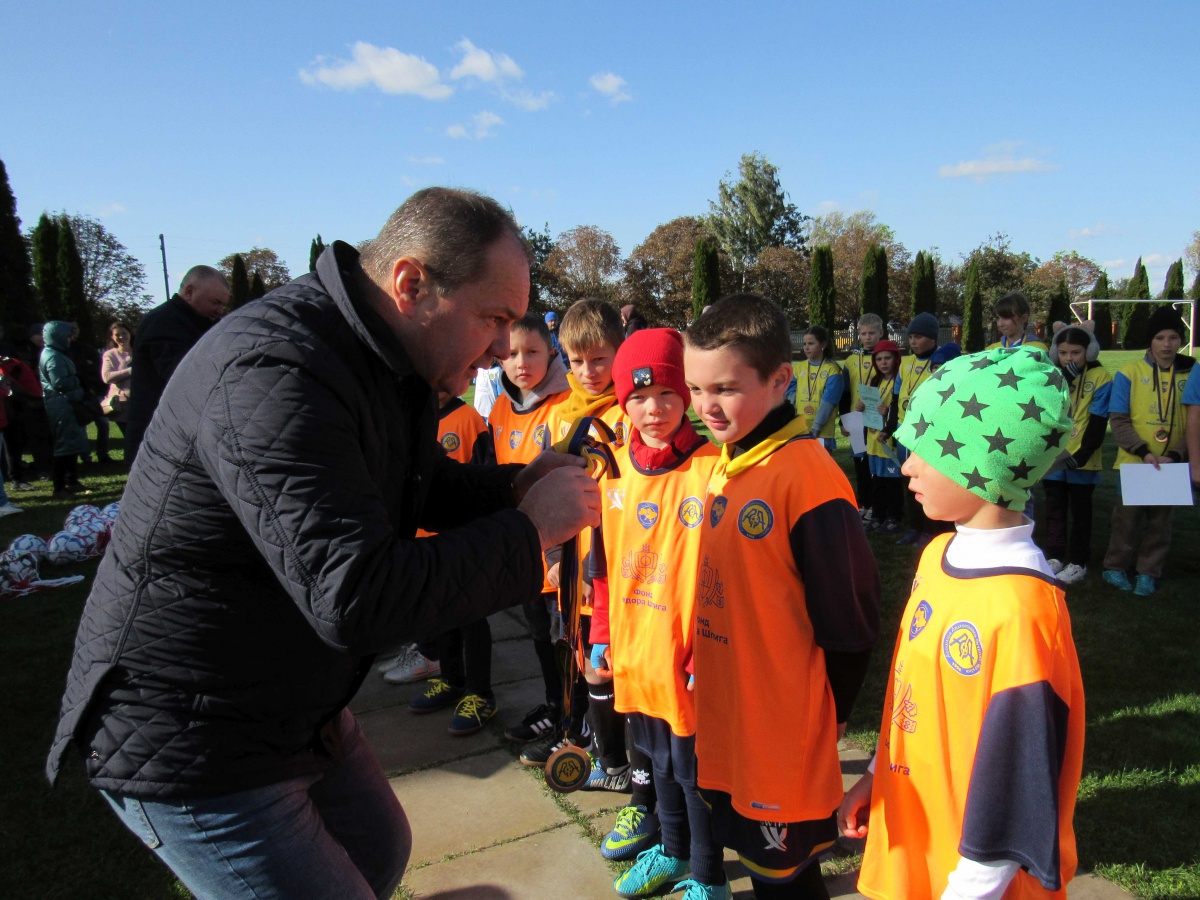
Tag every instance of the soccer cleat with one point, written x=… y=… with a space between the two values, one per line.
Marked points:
x=1072 y=573
x=8 y=509
x=538 y=722
x=389 y=663
x=538 y=752
x=652 y=870
x=472 y=712
x=438 y=695
x=602 y=779
x=1146 y=585
x=635 y=830
x=1056 y=565
x=1118 y=579
x=415 y=668
x=909 y=537
x=22 y=486
x=694 y=890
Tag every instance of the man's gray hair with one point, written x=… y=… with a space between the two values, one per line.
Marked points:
x=448 y=230
x=199 y=274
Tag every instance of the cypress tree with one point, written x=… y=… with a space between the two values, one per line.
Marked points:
x=821 y=291
x=70 y=283
x=918 y=269
x=45 y=269
x=706 y=276
x=1173 y=288
x=972 y=332
x=924 y=286
x=257 y=287
x=1133 y=334
x=19 y=309
x=239 y=283
x=1102 y=313
x=315 y=249
x=872 y=289
x=881 y=298
x=1194 y=293
x=1060 y=305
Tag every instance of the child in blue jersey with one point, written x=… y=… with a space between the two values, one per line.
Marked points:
x=819 y=386
x=860 y=368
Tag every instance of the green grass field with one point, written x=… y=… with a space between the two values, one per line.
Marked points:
x=1138 y=818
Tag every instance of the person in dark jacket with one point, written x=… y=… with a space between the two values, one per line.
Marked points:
x=61 y=390
x=266 y=551
x=164 y=337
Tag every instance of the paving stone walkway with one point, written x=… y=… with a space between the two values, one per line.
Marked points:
x=486 y=828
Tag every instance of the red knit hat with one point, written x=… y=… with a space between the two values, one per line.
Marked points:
x=650 y=356
x=886 y=347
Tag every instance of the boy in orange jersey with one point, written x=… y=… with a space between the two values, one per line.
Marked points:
x=787 y=608
x=644 y=564
x=972 y=790
x=533 y=382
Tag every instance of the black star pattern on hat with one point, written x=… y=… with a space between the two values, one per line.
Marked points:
x=973 y=407
x=1009 y=379
x=1031 y=410
x=946 y=394
x=921 y=426
x=1021 y=471
x=1053 y=378
x=982 y=363
x=975 y=479
x=998 y=443
x=1053 y=439
x=1005 y=502
x=950 y=446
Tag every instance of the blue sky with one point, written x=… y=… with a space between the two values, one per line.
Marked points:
x=227 y=125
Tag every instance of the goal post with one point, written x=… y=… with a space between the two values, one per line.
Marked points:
x=1188 y=312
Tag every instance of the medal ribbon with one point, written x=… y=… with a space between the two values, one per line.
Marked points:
x=1158 y=396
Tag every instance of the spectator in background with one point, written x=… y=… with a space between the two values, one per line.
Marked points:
x=632 y=319
x=61 y=390
x=115 y=369
x=28 y=430
x=15 y=378
x=87 y=367
x=552 y=324
x=164 y=337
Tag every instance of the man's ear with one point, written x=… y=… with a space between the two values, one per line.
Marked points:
x=409 y=285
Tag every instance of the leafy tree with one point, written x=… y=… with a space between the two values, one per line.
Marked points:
x=261 y=260
x=1194 y=293
x=1060 y=304
x=541 y=245
x=257 y=287
x=658 y=273
x=239 y=283
x=781 y=274
x=114 y=282
x=873 y=287
x=1192 y=254
x=70 y=283
x=973 y=339
x=1079 y=271
x=1000 y=270
x=851 y=238
x=706 y=276
x=16 y=272
x=924 y=286
x=1102 y=312
x=585 y=262
x=753 y=213
x=45 y=268
x=821 y=296
x=1173 y=287
x=1136 y=315
x=315 y=249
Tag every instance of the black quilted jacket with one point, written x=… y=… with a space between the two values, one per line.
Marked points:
x=264 y=549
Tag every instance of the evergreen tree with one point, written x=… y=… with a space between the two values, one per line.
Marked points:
x=1102 y=313
x=257 y=287
x=873 y=287
x=45 y=269
x=924 y=286
x=239 y=283
x=18 y=307
x=1173 y=288
x=1133 y=332
x=1194 y=293
x=881 y=300
x=1060 y=305
x=972 y=332
x=315 y=249
x=821 y=296
x=706 y=277
x=70 y=283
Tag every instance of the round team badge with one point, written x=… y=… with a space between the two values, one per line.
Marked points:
x=691 y=512
x=647 y=513
x=810 y=410
x=755 y=520
x=962 y=648
x=718 y=511
x=539 y=436
x=568 y=768
x=450 y=442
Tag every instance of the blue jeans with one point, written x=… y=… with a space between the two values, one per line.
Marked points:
x=340 y=834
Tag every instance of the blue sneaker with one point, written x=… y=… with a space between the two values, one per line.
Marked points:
x=635 y=830
x=438 y=695
x=472 y=712
x=694 y=890
x=1118 y=579
x=1146 y=585
x=652 y=870
x=602 y=779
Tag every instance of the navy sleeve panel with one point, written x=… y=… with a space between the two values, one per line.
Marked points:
x=1093 y=438
x=484 y=451
x=1012 y=801
x=841 y=580
x=597 y=560
x=846 y=673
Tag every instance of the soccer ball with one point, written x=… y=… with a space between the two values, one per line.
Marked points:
x=110 y=512
x=93 y=533
x=66 y=548
x=81 y=514
x=19 y=568
x=30 y=544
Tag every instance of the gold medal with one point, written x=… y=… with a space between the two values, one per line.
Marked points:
x=809 y=411
x=1075 y=432
x=1162 y=435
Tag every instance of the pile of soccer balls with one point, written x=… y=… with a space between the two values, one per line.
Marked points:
x=85 y=534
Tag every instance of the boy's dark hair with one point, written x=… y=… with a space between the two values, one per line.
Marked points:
x=1011 y=306
x=822 y=337
x=752 y=325
x=588 y=324
x=532 y=323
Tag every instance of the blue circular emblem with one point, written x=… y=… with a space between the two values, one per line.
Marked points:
x=756 y=520
x=962 y=648
x=514 y=438
x=647 y=513
x=450 y=442
x=920 y=619
x=717 y=511
x=539 y=436
x=691 y=512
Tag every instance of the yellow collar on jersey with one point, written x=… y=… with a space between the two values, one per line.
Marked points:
x=756 y=454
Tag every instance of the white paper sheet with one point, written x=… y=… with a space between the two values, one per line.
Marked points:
x=870 y=397
x=1144 y=485
x=853 y=423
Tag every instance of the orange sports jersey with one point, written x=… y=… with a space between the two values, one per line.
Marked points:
x=459 y=429
x=651 y=526
x=982 y=738
x=765 y=716
x=520 y=436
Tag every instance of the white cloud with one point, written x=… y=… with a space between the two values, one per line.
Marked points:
x=1114 y=264
x=386 y=68
x=611 y=86
x=482 y=125
x=113 y=209
x=1098 y=229
x=426 y=160
x=1152 y=260
x=828 y=205
x=1001 y=160
x=477 y=63
x=528 y=100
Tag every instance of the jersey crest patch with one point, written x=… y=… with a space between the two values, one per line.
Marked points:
x=647 y=513
x=540 y=436
x=756 y=520
x=962 y=648
x=712 y=591
x=514 y=438
x=920 y=619
x=616 y=498
x=619 y=434
x=450 y=441
x=643 y=566
x=691 y=512
x=717 y=511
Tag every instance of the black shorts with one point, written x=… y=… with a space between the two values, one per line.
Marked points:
x=772 y=851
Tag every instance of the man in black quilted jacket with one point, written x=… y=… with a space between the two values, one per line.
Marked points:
x=265 y=552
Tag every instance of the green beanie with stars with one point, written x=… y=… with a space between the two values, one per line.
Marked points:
x=993 y=422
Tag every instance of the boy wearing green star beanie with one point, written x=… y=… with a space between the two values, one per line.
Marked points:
x=981 y=748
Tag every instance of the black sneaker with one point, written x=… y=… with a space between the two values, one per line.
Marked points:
x=538 y=722
x=439 y=694
x=537 y=753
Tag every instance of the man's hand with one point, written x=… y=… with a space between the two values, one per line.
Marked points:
x=856 y=807
x=542 y=464
x=561 y=502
